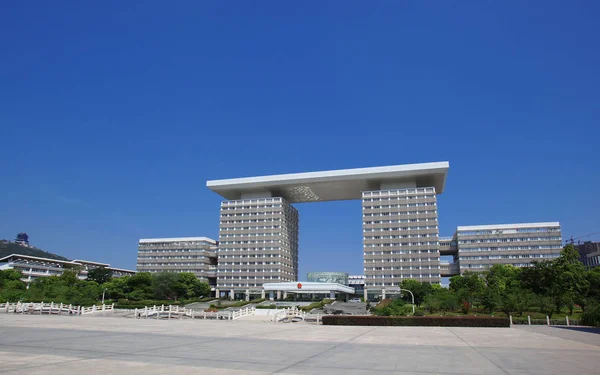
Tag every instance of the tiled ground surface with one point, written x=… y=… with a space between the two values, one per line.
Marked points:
x=89 y=345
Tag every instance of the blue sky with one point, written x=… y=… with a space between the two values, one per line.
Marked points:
x=113 y=115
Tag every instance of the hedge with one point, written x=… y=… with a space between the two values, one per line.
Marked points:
x=425 y=321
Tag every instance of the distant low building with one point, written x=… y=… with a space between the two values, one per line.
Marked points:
x=33 y=267
x=589 y=253
x=197 y=255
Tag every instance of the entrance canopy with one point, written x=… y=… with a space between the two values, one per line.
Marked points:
x=343 y=184
x=308 y=287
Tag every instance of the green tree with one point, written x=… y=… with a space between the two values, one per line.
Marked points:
x=443 y=299
x=165 y=285
x=139 y=286
x=419 y=290
x=117 y=287
x=564 y=280
x=12 y=289
x=468 y=288
x=189 y=286
x=100 y=275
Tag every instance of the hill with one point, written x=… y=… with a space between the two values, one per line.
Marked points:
x=8 y=248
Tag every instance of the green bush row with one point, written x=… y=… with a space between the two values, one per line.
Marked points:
x=426 y=321
x=317 y=305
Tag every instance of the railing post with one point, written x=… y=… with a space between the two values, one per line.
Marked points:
x=529 y=319
x=510 y=317
x=135 y=314
x=547 y=320
x=51 y=308
x=567 y=318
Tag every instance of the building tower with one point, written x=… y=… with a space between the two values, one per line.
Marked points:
x=258 y=243
x=400 y=230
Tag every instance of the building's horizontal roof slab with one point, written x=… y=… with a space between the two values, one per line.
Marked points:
x=343 y=184
x=177 y=239
x=552 y=224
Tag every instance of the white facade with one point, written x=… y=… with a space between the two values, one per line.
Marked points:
x=33 y=267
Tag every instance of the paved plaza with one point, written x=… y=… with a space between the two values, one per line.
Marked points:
x=107 y=345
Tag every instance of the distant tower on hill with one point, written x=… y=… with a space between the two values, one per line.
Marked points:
x=22 y=239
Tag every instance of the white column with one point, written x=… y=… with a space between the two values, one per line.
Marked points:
x=232 y=294
x=279 y=294
x=366 y=295
x=262 y=294
x=247 y=294
x=382 y=293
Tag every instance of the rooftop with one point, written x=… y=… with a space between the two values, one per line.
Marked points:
x=177 y=239
x=509 y=226
x=342 y=184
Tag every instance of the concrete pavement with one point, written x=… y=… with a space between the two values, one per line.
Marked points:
x=90 y=345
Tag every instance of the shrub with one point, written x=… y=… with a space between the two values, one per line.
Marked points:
x=425 y=321
x=266 y=307
x=316 y=305
x=591 y=317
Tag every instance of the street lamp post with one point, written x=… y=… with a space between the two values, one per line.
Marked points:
x=413 y=298
x=103 y=295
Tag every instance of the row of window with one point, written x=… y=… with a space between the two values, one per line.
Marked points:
x=246 y=263
x=250 y=235
x=418 y=220
x=251 y=227
x=507 y=231
x=401 y=244
x=424 y=212
x=399 y=205
x=173 y=257
x=247 y=242
x=404 y=276
x=399 y=198
x=395 y=192
x=264 y=220
x=518 y=239
x=510 y=248
x=179 y=243
x=426 y=235
x=155 y=270
x=399 y=229
x=221 y=277
x=516 y=256
x=268 y=248
x=403 y=268
x=241 y=207
x=144 y=264
x=278 y=270
x=489 y=265
x=174 y=250
x=381 y=252
x=251 y=201
x=399 y=260
x=252 y=214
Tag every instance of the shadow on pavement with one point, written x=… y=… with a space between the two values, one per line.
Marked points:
x=580 y=329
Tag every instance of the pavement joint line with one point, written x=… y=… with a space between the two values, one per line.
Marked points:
x=395 y=370
x=478 y=352
x=324 y=351
x=562 y=338
x=140 y=352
